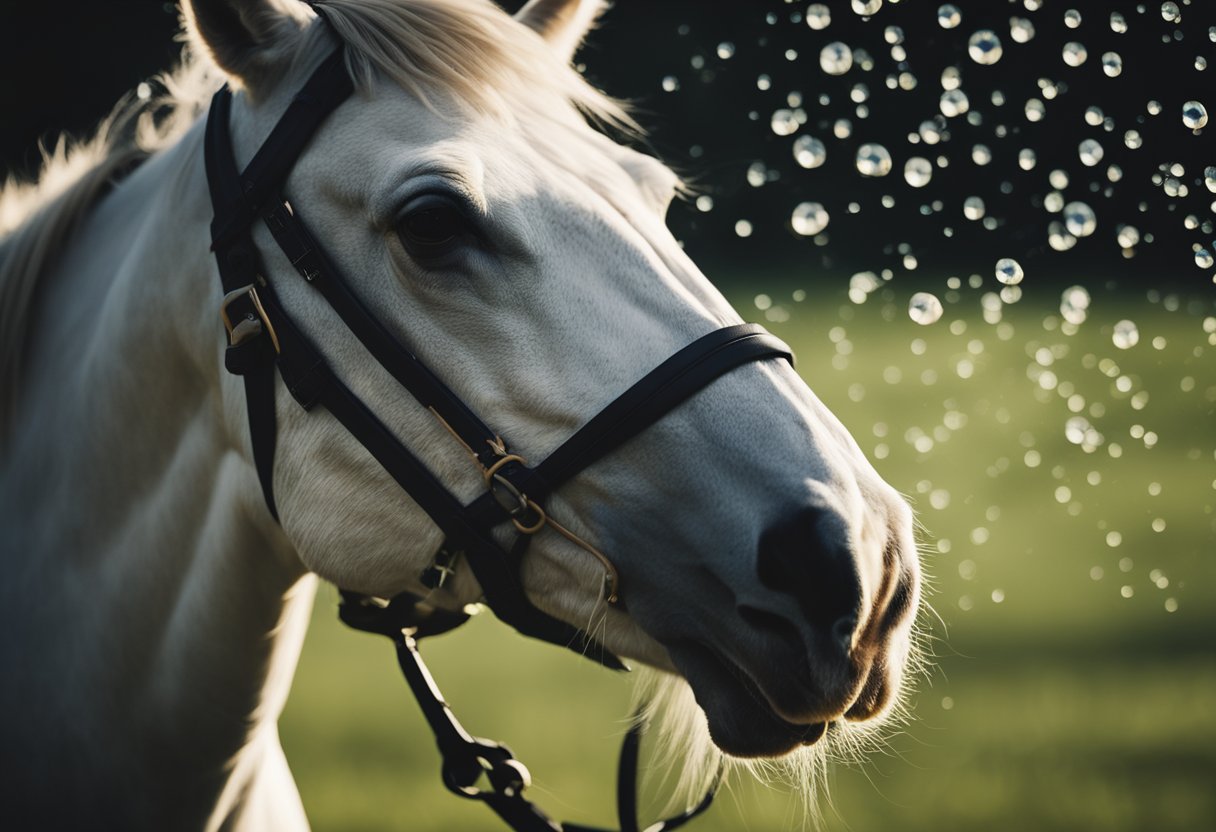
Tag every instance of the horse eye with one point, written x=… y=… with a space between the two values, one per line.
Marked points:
x=432 y=226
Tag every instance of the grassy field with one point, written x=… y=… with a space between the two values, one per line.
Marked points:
x=1074 y=596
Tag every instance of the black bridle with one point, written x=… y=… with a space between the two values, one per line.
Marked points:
x=262 y=336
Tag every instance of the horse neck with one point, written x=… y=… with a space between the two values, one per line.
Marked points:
x=151 y=607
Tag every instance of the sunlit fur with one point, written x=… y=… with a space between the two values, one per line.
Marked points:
x=687 y=764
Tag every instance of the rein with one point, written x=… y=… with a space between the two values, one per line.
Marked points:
x=261 y=337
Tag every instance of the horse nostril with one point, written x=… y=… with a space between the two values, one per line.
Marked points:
x=843 y=632
x=809 y=555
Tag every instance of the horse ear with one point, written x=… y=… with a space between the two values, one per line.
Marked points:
x=245 y=38
x=563 y=23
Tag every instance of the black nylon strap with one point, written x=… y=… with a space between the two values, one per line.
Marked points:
x=311 y=261
x=326 y=88
x=658 y=392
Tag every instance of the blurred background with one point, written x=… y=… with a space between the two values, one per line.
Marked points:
x=987 y=230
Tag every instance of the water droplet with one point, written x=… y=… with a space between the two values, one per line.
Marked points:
x=866 y=7
x=984 y=47
x=1125 y=335
x=1112 y=64
x=948 y=16
x=1009 y=271
x=924 y=308
x=918 y=171
x=873 y=160
x=1072 y=18
x=954 y=103
x=973 y=208
x=809 y=152
x=784 y=122
x=818 y=16
x=1079 y=219
x=809 y=218
x=836 y=58
x=1074 y=304
x=1021 y=29
x=1170 y=13
x=1128 y=236
x=1090 y=152
x=1194 y=115
x=1075 y=53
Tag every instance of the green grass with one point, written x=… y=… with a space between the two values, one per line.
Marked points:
x=1064 y=706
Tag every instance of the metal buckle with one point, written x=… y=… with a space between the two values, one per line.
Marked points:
x=513 y=502
x=252 y=323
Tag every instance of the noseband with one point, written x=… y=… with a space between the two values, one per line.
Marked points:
x=262 y=336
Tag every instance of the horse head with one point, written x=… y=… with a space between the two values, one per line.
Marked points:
x=478 y=208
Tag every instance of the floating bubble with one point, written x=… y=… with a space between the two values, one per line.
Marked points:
x=1194 y=115
x=948 y=16
x=809 y=152
x=1114 y=173
x=842 y=128
x=726 y=50
x=836 y=58
x=1170 y=13
x=1209 y=178
x=873 y=160
x=743 y=228
x=670 y=83
x=1054 y=202
x=1058 y=237
x=973 y=208
x=818 y=16
x=1201 y=63
x=1112 y=64
x=1132 y=140
x=1027 y=158
x=1118 y=23
x=784 y=122
x=1128 y=236
x=1035 y=110
x=918 y=171
x=984 y=47
x=1153 y=107
x=1090 y=152
x=757 y=174
x=924 y=308
x=809 y=218
x=893 y=35
x=954 y=103
x=1009 y=271
x=1203 y=258
x=981 y=155
x=1075 y=53
x=1125 y=335
x=929 y=132
x=1079 y=219
x=952 y=78
x=1072 y=18
x=866 y=7
x=1093 y=116
x=1058 y=179
x=1021 y=29
x=1074 y=304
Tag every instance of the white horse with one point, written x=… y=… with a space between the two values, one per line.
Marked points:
x=153 y=610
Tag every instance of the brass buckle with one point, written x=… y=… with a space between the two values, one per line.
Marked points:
x=251 y=324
